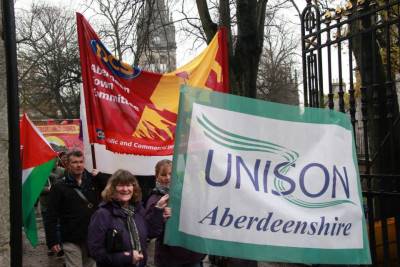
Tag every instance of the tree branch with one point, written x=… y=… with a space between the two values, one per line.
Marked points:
x=209 y=27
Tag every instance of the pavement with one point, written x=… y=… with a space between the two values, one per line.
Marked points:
x=37 y=257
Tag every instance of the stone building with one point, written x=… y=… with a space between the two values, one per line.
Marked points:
x=156 y=35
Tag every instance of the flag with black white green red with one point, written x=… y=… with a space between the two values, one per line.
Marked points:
x=38 y=159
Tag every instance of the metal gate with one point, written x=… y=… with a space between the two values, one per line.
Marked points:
x=351 y=63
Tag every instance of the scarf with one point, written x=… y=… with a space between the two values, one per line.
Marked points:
x=161 y=189
x=132 y=229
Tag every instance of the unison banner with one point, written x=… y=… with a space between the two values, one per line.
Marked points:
x=132 y=111
x=265 y=181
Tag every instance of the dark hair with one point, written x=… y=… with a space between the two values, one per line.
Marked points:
x=122 y=177
x=161 y=164
x=74 y=153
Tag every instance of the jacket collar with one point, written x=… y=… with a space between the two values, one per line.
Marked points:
x=86 y=180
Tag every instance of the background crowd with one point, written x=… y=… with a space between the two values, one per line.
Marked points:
x=97 y=219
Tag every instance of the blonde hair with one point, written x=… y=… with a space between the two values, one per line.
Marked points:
x=161 y=164
x=122 y=177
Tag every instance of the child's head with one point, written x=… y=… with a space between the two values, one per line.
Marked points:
x=163 y=172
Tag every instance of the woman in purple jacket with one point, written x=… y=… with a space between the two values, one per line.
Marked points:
x=168 y=256
x=118 y=230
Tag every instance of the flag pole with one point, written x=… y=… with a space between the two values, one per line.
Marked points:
x=82 y=51
x=93 y=156
x=15 y=180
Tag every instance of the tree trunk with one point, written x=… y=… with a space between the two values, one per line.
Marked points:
x=245 y=48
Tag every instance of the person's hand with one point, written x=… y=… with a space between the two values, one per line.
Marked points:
x=136 y=256
x=167 y=213
x=95 y=172
x=163 y=202
x=56 y=248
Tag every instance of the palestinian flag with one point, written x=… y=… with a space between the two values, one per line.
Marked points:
x=38 y=159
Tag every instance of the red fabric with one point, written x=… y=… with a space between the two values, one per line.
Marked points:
x=34 y=149
x=64 y=134
x=127 y=109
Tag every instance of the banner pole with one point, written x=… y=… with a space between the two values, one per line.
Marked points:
x=85 y=79
x=93 y=155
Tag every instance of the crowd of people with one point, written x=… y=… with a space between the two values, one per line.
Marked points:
x=95 y=219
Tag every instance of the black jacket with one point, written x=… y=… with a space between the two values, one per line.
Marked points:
x=70 y=210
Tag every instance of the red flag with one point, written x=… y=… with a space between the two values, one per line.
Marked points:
x=38 y=159
x=35 y=150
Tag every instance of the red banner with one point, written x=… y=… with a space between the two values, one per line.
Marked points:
x=132 y=111
x=61 y=134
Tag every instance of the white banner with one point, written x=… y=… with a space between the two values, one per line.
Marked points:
x=247 y=205
x=265 y=181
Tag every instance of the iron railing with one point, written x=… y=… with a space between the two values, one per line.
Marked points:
x=351 y=61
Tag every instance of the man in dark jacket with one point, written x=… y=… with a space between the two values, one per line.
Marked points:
x=72 y=203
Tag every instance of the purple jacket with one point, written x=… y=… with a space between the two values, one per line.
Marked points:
x=169 y=255
x=110 y=216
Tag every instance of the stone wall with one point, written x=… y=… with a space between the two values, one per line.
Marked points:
x=4 y=175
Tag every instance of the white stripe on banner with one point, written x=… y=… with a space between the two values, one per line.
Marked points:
x=26 y=173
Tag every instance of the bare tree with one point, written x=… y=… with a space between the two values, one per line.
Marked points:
x=119 y=20
x=246 y=25
x=250 y=38
x=277 y=79
x=138 y=31
x=245 y=51
x=48 y=61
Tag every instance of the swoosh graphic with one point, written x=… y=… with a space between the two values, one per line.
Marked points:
x=238 y=142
